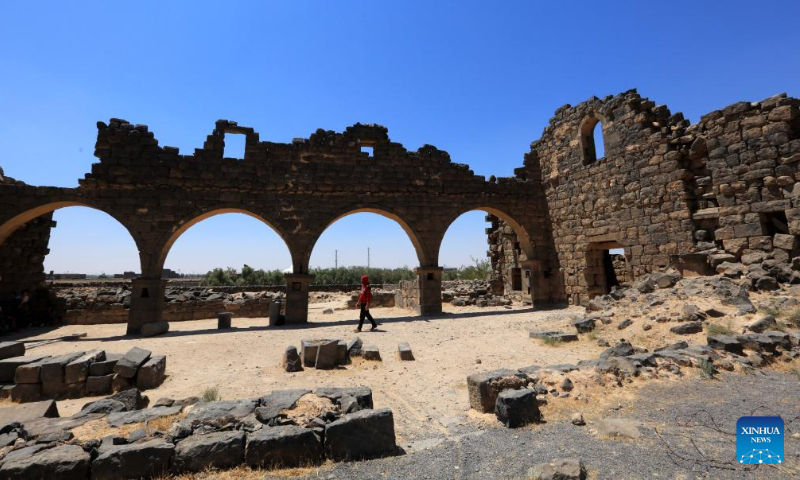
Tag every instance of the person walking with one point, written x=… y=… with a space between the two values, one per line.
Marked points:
x=363 y=300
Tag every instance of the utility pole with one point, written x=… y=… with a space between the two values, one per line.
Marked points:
x=336 y=259
x=367 y=257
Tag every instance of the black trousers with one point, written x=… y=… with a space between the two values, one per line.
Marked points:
x=365 y=313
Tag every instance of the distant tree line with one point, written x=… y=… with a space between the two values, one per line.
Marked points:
x=337 y=276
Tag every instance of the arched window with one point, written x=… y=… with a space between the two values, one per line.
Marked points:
x=592 y=141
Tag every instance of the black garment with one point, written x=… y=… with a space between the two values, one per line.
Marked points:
x=365 y=313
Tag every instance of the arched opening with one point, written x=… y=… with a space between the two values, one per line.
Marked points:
x=89 y=243
x=592 y=140
x=464 y=254
x=227 y=247
x=59 y=245
x=365 y=241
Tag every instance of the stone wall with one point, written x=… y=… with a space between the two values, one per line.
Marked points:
x=22 y=254
x=407 y=295
x=665 y=190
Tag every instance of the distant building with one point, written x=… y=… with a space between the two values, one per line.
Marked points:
x=168 y=273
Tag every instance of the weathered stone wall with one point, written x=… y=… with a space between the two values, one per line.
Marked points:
x=665 y=190
x=22 y=254
x=505 y=255
x=298 y=189
x=22 y=257
x=407 y=295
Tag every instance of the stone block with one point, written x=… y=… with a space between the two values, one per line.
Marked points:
x=8 y=366
x=137 y=460
x=291 y=360
x=562 y=469
x=105 y=367
x=52 y=369
x=128 y=365
x=327 y=354
x=285 y=446
x=152 y=373
x=99 y=385
x=26 y=392
x=218 y=450
x=11 y=349
x=364 y=434
x=28 y=411
x=484 y=387
x=224 y=320
x=121 y=384
x=517 y=407
x=584 y=325
x=154 y=328
x=64 y=462
x=687 y=328
x=77 y=370
x=371 y=352
x=363 y=395
x=784 y=241
x=404 y=351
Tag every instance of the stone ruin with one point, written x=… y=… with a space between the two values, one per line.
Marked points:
x=719 y=194
x=283 y=429
x=31 y=378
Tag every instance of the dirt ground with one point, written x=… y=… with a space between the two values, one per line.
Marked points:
x=427 y=395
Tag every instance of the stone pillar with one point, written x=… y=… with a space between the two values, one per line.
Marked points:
x=147 y=302
x=535 y=288
x=296 y=309
x=430 y=290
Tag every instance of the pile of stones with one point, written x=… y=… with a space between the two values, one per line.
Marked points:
x=514 y=395
x=30 y=378
x=285 y=429
x=461 y=293
x=327 y=353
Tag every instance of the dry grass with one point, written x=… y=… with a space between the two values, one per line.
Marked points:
x=211 y=394
x=718 y=329
x=100 y=428
x=551 y=341
x=246 y=473
x=794 y=318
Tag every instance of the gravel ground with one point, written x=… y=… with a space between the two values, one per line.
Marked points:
x=704 y=410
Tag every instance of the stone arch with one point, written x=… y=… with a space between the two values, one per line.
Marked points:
x=183 y=225
x=422 y=255
x=8 y=227
x=586 y=133
x=524 y=238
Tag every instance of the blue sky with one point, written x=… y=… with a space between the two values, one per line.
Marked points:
x=478 y=79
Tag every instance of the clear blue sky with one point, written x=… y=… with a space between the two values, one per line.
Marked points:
x=478 y=79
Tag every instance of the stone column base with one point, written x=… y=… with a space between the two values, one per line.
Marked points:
x=430 y=290
x=296 y=310
x=147 y=303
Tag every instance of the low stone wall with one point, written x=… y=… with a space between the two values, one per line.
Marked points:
x=407 y=295
x=31 y=378
x=93 y=305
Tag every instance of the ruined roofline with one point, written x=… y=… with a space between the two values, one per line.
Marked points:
x=661 y=113
x=138 y=146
